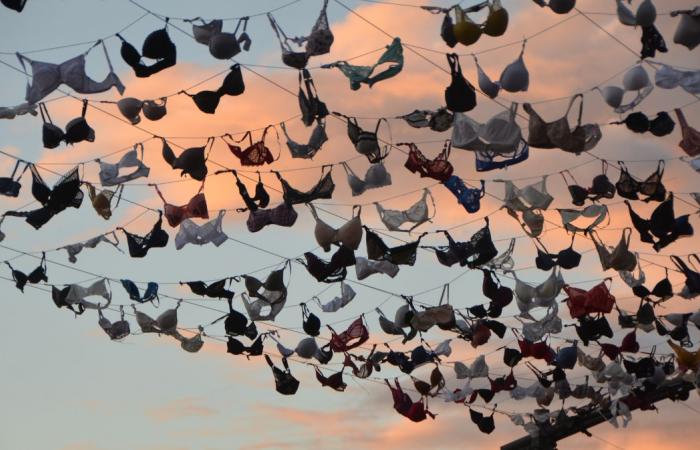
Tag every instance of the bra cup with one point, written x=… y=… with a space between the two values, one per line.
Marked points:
x=447 y=31
x=324 y=234
x=465 y=30
x=561 y=6
x=51 y=135
x=350 y=234
x=130 y=108
x=662 y=125
x=297 y=60
x=204 y=32
x=357 y=186
x=515 y=77
x=167 y=322
x=497 y=21
x=306 y=348
x=612 y=95
x=207 y=101
x=224 y=46
x=377 y=176
x=537 y=128
x=367 y=143
x=153 y=110
x=78 y=130
x=402 y=317
x=233 y=83
x=441 y=120
x=157 y=45
x=646 y=14
x=487 y=86
x=636 y=79
x=465 y=132
x=688 y=31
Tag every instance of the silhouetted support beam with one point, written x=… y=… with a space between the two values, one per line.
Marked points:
x=589 y=417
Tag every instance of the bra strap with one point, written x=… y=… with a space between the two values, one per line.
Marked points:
x=160 y=194
x=580 y=108
x=45 y=117
x=445 y=293
x=563 y=174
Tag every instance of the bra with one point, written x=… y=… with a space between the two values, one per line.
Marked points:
x=542 y=295
x=349 y=235
x=196 y=207
x=102 y=202
x=438 y=168
x=165 y=323
x=222 y=45
x=192 y=161
x=65 y=193
x=207 y=101
x=316 y=140
x=140 y=245
x=261 y=198
x=318 y=42
x=74 y=249
x=322 y=190
x=191 y=233
x=439 y=120
x=16 y=5
x=10 y=112
x=150 y=294
x=620 y=258
x=460 y=95
x=690 y=142
x=282 y=215
x=558 y=134
x=500 y=135
x=417 y=214
x=662 y=225
x=312 y=108
x=115 y=330
x=567 y=258
x=486 y=161
x=35 y=276
x=366 y=142
x=667 y=77
x=109 y=172
x=131 y=108
x=628 y=186
x=9 y=186
x=365 y=267
x=375 y=177
x=77 y=294
x=479 y=250
x=536 y=196
x=393 y=55
x=514 y=78
x=157 y=45
x=77 y=130
x=635 y=79
x=597 y=212
x=400 y=255
x=469 y=198
x=329 y=271
x=256 y=154
x=47 y=77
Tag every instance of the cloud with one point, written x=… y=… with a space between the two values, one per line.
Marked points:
x=184 y=408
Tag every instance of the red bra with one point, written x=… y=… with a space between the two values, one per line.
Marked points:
x=537 y=350
x=416 y=412
x=256 y=154
x=196 y=207
x=356 y=332
x=439 y=168
x=596 y=300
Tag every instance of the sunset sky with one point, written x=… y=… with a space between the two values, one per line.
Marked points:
x=65 y=386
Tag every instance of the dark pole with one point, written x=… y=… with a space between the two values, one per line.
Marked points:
x=588 y=417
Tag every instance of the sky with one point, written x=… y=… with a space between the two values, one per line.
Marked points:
x=66 y=386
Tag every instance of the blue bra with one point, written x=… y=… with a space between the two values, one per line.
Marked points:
x=150 y=294
x=467 y=197
x=486 y=161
